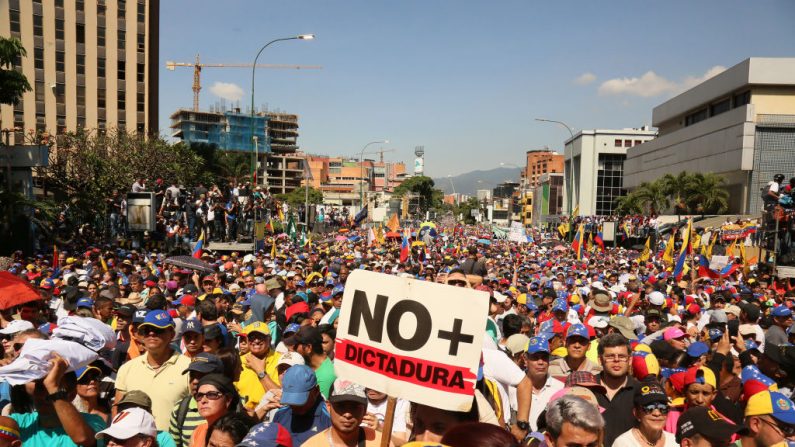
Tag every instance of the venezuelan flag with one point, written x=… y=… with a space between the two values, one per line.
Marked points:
x=684 y=251
x=197 y=249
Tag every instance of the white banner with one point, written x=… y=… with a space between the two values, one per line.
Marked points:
x=517 y=233
x=416 y=340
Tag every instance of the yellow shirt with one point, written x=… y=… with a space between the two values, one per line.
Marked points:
x=165 y=385
x=592 y=354
x=371 y=438
x=249 y=386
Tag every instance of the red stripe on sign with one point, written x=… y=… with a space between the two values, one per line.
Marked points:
x=439 y=376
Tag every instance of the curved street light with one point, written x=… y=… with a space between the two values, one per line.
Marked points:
x=253 y=72
x=568 y=177
x=361 y=170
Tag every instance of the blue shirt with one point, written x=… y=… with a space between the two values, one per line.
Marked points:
x=304 y=426
x=165 y=440
x=35 y=436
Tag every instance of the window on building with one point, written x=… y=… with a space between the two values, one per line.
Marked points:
x=59 y=33
x=101 y=67
x=101 y=7
x=141 y=42
x=38 y=58
x=120 y=36
x=81 y=96
x=141 y=102
x=120 y=103
x=720 y=107
x=80 y=33
x=637 y=142
x=627 y=143
x=122 y=7
x=81 y=64
x=60 y=57
x=140 y=74
x=120 y=71
x=617 y=143
x=742 y=99
x=609 y=182
x=101 y=36
x=101 y=98
x=141 y=12
x=80 y=5
x=38 y=25
x=696 y=117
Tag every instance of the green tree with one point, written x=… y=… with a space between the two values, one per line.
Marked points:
x=629 y=204
x=13 y=84
x=298 y=196
x=653 y=197
x=422 y=186
x=233 y=166
x=465 y=209
x=676 y=188
x=706 y=193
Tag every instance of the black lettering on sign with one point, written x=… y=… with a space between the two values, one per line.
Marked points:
x=373 y=321
x=422 y=332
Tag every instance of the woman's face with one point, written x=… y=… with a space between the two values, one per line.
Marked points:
x=430 y=424
x=652 y=416
x=211 y=402
x=88 y=385
x=220 y=438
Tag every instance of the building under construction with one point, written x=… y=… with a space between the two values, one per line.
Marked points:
x=273 y=135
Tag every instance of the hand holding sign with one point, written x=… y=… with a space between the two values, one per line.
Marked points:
x=417 y=340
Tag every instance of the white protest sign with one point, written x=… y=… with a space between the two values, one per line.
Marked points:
x=517 y=233
x=718 y=262
x=412 y=339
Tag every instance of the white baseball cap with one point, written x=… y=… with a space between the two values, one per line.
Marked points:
x=130 y=422
x=16 y=326
x=656 y=298
x=291 y=358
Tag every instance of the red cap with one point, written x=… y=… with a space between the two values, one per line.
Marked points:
x=693 y=309
x=150 y=283
x=187 y=300
x=297 y=308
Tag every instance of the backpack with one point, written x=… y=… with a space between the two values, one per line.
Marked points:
x=763 y=192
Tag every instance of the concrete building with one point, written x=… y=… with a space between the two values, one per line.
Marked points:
x=91 y=64
x=343 y=180
x=540 y=162
x=594 y=167
x=740 y=124
x=547 y=199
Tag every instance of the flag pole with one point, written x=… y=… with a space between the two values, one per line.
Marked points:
x=389 y=418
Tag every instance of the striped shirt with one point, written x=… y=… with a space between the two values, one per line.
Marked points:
x=192 y=420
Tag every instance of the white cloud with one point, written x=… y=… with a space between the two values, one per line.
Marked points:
x=585 y=78
x=651 y=84
x=227 y=90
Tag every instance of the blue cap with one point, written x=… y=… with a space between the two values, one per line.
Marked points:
x=85 y=302
x=697 y=349
x=531 y=306
x=297 y=382
x=577 y=330
x=292 y=327
x=192 y=325
x=781 y=311
x=82 y=371
x=159 y=319
x=303 y=296
x=338 y=289
x=752 y=372
x=560 y=304
x=537 y=344
x=715 y=334
x=750 y=344
x=300 y=283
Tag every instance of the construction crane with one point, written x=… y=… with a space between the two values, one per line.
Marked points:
x=198 y=66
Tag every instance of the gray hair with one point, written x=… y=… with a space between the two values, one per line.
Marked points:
x=576 y=411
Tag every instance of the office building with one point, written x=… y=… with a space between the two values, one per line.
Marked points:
x=540 y=162
x=547 y=199
x=91 y=64
x=739 y=124
x=594 y=168
x=344 y=181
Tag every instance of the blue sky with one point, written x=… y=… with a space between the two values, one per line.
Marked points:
x=462 y=78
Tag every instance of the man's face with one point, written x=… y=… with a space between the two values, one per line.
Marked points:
x=576 y=346
x=652 y=324
x=616 y=361
x=573 y=436
x=29 y=313
x=769 y=431
x=155 y=339
x=430 y=423
x=783 y=322
x=208 y=285
x=258 y=344
x=347 y=416
x=193 y=342
x=699 y=395
x=537 y=365
x=104 y=310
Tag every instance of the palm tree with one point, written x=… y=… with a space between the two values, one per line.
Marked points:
x=233 y=166
x=706 y=192
x=675 y=187
x=654 y=196
x=628 y=204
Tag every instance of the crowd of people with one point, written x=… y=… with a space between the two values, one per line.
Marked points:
x=604 y=350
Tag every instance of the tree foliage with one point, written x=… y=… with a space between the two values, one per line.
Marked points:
x=298 y=196
x=423 y=186
x=13 y=84
x=688 y=193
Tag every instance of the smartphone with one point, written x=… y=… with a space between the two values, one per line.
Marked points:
x=734 y=327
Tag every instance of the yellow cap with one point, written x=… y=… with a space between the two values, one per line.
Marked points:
x=257 y=326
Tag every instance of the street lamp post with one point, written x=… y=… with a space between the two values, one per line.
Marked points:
x=455 y=196
x=361 y=170
x=253 y=72
x=570 y=179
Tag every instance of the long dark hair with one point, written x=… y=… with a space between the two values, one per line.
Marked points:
x=478 y=434
x=236 y=425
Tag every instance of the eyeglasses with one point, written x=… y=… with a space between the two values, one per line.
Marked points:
x=211 y=395
x=649 y=409
x=786 y=430
x=146 y=330
x=618 y=358
x=257 y=340
x=457 y=283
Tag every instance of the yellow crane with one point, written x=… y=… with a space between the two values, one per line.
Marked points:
x=198 y=66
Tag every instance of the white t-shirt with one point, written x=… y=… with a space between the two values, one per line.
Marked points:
x=401 y=409
x=627 y=439
x=541 y=399
x=500 y=368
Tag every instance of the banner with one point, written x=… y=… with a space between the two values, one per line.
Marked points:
x=516 y=233
x=388 y=340
x=733 y=232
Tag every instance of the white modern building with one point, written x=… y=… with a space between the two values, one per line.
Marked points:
x=594 y=168
x=740 y=124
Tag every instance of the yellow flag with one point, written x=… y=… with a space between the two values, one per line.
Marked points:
x=668 y=255
x=742 y=254
x=696 y=241
x=711 y=245
x=563 y=228
x=273 y=249
x=730 y=250
x=576 y=212
x=394 y=223
x=644 y=256
x=590 y=242
x=104 y=264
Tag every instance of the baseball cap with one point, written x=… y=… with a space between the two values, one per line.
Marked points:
x=308 y=335
x=705 y=422
x=257 y=326
x=206 y=363
x=158 y=318
x=656 y=298
x=624 y=325
x=129 y=423
x=15 y=326
x=139 y=316
x=291 y=358
x=649 y=393
x=773 y=403
x=126 y=310
x=267 y=434
x=751 y=310
x=697 y=349
x=192 y=325
x=82 y=371
x=585 y=379
x=213 y=331
x=516 y=343
x=560 y=304
x=347 y=391
x=297 y=382
x=577 y=330
x=718 y=316
x=85 y=302
x=644 y=364
x=702 y=375
x=291 y=328
x=781 y=311
x=672 y=333
x=137 y=398
x=187 y=300
x=537 y=344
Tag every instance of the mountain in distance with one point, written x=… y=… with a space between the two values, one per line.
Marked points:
x=468 y=184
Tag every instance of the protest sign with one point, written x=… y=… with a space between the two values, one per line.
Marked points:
x=718 y=262
x=412 y=339
x=517 y=233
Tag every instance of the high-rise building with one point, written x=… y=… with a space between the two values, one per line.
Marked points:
x=540 y=162
x=594 y=168
x=739 y=124
x=91 y=64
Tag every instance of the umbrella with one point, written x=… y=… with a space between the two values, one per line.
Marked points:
x=344 y=230
x=340 y=238
x=484 y=241
x=189 y=262
x=560 y=248
x=428 y=224
x=15 y=291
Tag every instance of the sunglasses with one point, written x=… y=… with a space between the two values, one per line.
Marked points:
x=210 y=395
x=145 y=330
x=457 y=283
x=649 y=409
x=88 y=378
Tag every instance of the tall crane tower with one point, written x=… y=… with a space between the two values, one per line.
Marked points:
x=198 y=66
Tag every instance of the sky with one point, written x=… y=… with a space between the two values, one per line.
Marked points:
x=465 y=79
